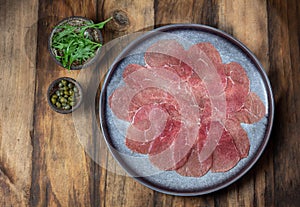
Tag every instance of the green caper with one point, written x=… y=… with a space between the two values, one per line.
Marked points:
x=58 y=105
x=67 y=107
x=66 y=92
x=63 y=100
x=53 y=100
x=54 y=96
x=71 y=98
x=64 y=82
x=57 y=93
x=64 y=88
x=70 y=85
x=65 y=96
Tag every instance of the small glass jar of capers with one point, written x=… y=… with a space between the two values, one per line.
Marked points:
x=64 y=95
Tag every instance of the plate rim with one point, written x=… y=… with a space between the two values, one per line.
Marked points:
x=246 y=51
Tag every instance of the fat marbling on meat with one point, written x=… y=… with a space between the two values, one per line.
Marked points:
x=185 y=108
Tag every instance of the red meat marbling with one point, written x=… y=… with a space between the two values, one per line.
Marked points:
x=185 y=108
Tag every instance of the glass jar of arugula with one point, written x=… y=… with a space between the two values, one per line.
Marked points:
x=75 y=41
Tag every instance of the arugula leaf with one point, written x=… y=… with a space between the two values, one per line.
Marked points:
x=73 y=46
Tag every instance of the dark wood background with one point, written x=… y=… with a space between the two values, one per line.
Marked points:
x=42 y=163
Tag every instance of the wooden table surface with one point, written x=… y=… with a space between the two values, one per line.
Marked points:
x=42 y=161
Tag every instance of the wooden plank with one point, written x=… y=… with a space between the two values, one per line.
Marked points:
x=189 y=11
x=63 y=175
x=240 y=19
x=87 y=128
x=185 y=11
x=129 y=17
x=105 y=177
x=37 y=169
x=247 y=21
x=284 y=58
x=17 y=75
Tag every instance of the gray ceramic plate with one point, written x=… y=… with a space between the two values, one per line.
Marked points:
x=137 y=165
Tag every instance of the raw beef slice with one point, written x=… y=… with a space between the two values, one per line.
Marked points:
x=185 y=108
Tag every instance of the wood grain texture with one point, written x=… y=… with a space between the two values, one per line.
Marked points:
x=129 y=17
x=61 y=170
x=239 y=19
x=43 y=161
x=284 y=58
x=189 y=11
x=17 y=83
x=247 y=21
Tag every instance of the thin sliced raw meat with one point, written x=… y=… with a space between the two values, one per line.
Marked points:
x=162 y=142
x=183 y=70
x=201 y=95
x=130 y=69
x=144 y=139
x=188 y=110
x=199 y=90
x=252 y=111
x=238 y=86
x=148 y=123
x=119 y=102
x=139 y=147
x=226 y=155
x=150 y=96
x=121 y=98
x=214 y=82
x=210 y=51
x=239 y=136
x=170 y=55
x=186 y=89
x=176 y=155
x=214 y=132
x=164 y=53
x=194 y=167
x=208 y=73
x=215 y=58
x=171 y=83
